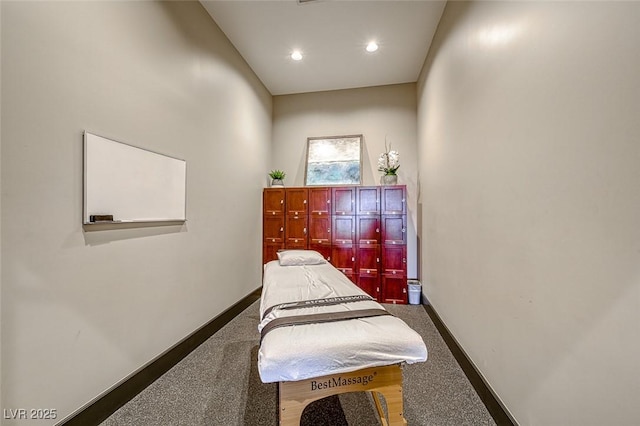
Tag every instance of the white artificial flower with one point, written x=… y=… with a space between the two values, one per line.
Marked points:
x=389 y=161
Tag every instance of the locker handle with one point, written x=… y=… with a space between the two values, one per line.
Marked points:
x=304 y=230
x=304 y=202
x=281 y=201
x=353 y=259
x=378 y=259
x=377 y=229
x=281 y=229
x=403 y=230
x=404 y=290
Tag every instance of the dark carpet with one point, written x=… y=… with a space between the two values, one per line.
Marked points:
x=218 y=384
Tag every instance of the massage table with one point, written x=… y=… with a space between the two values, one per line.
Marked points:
x=322 y=335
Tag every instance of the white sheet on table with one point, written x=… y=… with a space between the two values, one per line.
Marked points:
x=306 y=351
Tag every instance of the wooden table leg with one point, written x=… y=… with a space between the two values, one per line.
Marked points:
x=386 y=380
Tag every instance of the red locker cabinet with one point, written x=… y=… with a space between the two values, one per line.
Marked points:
x=370 y=284
x=320 y=201
x=343 y=230
x=394 y=289
x=367 y=230
x=273 y=202
x=273 y=230
x=394 y=229
x=273 y=237
x=296 y=201
x=320 y=235
x=394 y=260
x=343 y=200
x=394 y=274
x=272 y=223
x=394 y=244
x=323 y=249
x=361 y=230
x=343 y=257
x=320 y=220
x=368 y=269
x=368 y=200
x=319 y=230
x=394 y=199
x=296 y=232
x=368 y=240
x=296 y=219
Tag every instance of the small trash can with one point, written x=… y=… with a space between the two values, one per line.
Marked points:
x=415 y=293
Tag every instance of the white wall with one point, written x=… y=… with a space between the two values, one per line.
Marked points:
x=1 y=405
x=81 y=311
x=374 y=112
x=529 y=164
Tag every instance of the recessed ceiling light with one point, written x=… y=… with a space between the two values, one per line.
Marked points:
x=372 y=46
x=296 y=55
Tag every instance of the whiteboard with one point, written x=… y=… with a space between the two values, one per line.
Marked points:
x=132 y=184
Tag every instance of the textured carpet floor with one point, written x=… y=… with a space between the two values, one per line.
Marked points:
x=218 y=384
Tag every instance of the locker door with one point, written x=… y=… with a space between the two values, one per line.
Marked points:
x=296 y=201
x=343 y=201
x=368 y=200
x=343 y=230
x=394 y=200
x=273 y=202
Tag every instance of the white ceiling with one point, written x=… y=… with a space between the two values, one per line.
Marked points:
x=332 y=35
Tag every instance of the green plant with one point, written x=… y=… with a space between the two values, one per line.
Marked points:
x=277 y=174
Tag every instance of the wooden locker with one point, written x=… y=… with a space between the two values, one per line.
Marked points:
x=296 y=232
x=296 y=201
x=320 y=229
x=320 y=201
x=343 y=200
x=273 y=229
x=370 y=284
x=367 y=230
x=273 y=201
x=393 y=199
x=323 y=249
x=270 y=252
x=368 y=258
x=368 y=200
x=394 y=229
x=344 y=259
x=343 y=230
x=394 y=260
x=394 y=289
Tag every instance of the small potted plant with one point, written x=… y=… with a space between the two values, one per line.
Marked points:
x=389 y=163
x=276 y=177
